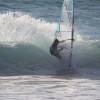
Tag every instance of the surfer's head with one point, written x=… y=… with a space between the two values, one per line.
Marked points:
x=56 y=41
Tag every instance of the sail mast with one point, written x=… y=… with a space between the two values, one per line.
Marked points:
x=73 y=22
x=72 y=37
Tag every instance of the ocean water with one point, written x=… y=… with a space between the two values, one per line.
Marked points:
x=33 y=22
x=28 y=71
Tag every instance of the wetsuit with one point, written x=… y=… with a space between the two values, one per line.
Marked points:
x=54 y=49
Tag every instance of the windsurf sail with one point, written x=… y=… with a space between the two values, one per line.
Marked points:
x=65 y=28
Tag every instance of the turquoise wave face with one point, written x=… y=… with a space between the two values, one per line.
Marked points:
x=87 y=54
x=26 y=59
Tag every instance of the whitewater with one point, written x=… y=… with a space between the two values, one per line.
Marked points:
x=29 y=72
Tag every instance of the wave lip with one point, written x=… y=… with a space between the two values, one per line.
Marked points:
x=20 y=27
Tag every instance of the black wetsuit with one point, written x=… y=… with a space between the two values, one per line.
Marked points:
x=54 y=49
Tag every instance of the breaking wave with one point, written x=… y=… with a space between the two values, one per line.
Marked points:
x=18 y=27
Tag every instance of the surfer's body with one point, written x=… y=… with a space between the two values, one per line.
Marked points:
x=55 y=50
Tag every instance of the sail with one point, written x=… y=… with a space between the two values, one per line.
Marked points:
x=66 y=29
x=65 y=24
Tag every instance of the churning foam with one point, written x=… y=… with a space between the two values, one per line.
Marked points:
x=18 y=27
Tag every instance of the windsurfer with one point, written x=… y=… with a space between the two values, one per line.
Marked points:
x=55 y=50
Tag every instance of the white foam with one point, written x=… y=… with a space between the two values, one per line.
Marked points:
x=18 y=27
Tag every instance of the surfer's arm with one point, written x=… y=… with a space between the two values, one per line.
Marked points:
x=71 y=39
x=62 y=41
x=66 y=40
x=60 y=49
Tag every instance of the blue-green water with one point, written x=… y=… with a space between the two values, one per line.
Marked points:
x=32 y=23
